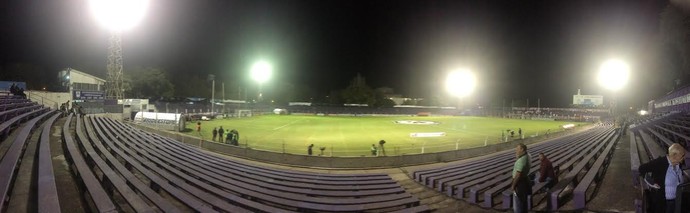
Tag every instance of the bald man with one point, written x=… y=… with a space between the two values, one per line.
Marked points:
x=667 y=175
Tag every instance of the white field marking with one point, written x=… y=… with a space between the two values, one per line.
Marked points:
x=280 y=127
x=463 y=131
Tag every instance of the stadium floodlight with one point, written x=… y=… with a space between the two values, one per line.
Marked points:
x=119 y=15
x=261 y=71
x=461 y=83
x=613 y=74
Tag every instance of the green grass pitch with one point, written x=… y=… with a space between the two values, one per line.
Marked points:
x=353 y=136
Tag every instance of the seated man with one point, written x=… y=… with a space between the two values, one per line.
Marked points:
x=546 y=172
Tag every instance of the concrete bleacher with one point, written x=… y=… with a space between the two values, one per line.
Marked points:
x=651 y=137
x=581 y=160
x=116 y=160
x=18 y=121
x=119 y=168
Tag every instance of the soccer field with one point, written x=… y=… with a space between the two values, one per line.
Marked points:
x=353 y=136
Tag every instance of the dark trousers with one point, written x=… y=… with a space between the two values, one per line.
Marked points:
x=670 y=206
x=519 y=203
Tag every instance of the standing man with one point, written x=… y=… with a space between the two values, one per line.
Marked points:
x=373 y=150
x=383 y=151
x=198 y=126
x=220 y=133
x=520 y=132
x=521 y=186
x=309 y=149
x=215 y=133
x=666 y=175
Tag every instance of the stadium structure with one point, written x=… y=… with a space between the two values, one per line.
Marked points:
x=56 y=160
x=87 y=160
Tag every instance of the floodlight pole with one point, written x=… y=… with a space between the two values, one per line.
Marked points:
x=213 y=93
x=114 y=88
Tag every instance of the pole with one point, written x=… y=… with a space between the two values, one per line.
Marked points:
x=503 y=110
x=213 y=93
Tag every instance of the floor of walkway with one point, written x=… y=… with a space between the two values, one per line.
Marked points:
x=616 y=192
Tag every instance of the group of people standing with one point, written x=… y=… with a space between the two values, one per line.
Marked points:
x=17 y=91
x=232 y=137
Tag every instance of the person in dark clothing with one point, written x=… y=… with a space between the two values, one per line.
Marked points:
x=546 y=172
x=666 y=175
x=374 y=151
x=235 y=137
x=383 y=151
x=309 y=151
x=220 y=133
x=520 y=132
x=215 y=133
x=14 y=89
x=521 y=185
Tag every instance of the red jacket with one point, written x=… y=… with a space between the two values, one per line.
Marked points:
x=546 y=170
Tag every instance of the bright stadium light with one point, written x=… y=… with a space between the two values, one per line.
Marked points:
x=613 y=74
x=261 y=71
x=461 y=83
x=119 y=15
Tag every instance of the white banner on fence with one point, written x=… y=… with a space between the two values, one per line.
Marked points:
x=427 y=134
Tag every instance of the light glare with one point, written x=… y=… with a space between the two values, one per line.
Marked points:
x=461 y=83
x=613 y=74
x=118 y=15
x=261 y=71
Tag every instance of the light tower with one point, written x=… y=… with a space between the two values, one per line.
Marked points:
x=613 y=75
x=461 y=83
x=113 y=89
x=117 y=16
x=261 y=71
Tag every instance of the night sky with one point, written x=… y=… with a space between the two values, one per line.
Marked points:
x=518 y=49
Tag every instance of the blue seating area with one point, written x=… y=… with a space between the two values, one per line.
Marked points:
x=650 y=138
x=139 y=166
x=118 y=168
x=581 y=160
x=19 y=120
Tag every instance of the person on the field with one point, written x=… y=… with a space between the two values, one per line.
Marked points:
x=520 y=132
x=383 y=151
x=229 y=138
x=215 y=133
x=309 y=151
x=233 y=136
x=198 y=126
x=220 y=133
x=374 y=151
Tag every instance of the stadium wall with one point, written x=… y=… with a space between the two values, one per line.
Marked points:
x=355 y=162
x=677 y=100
